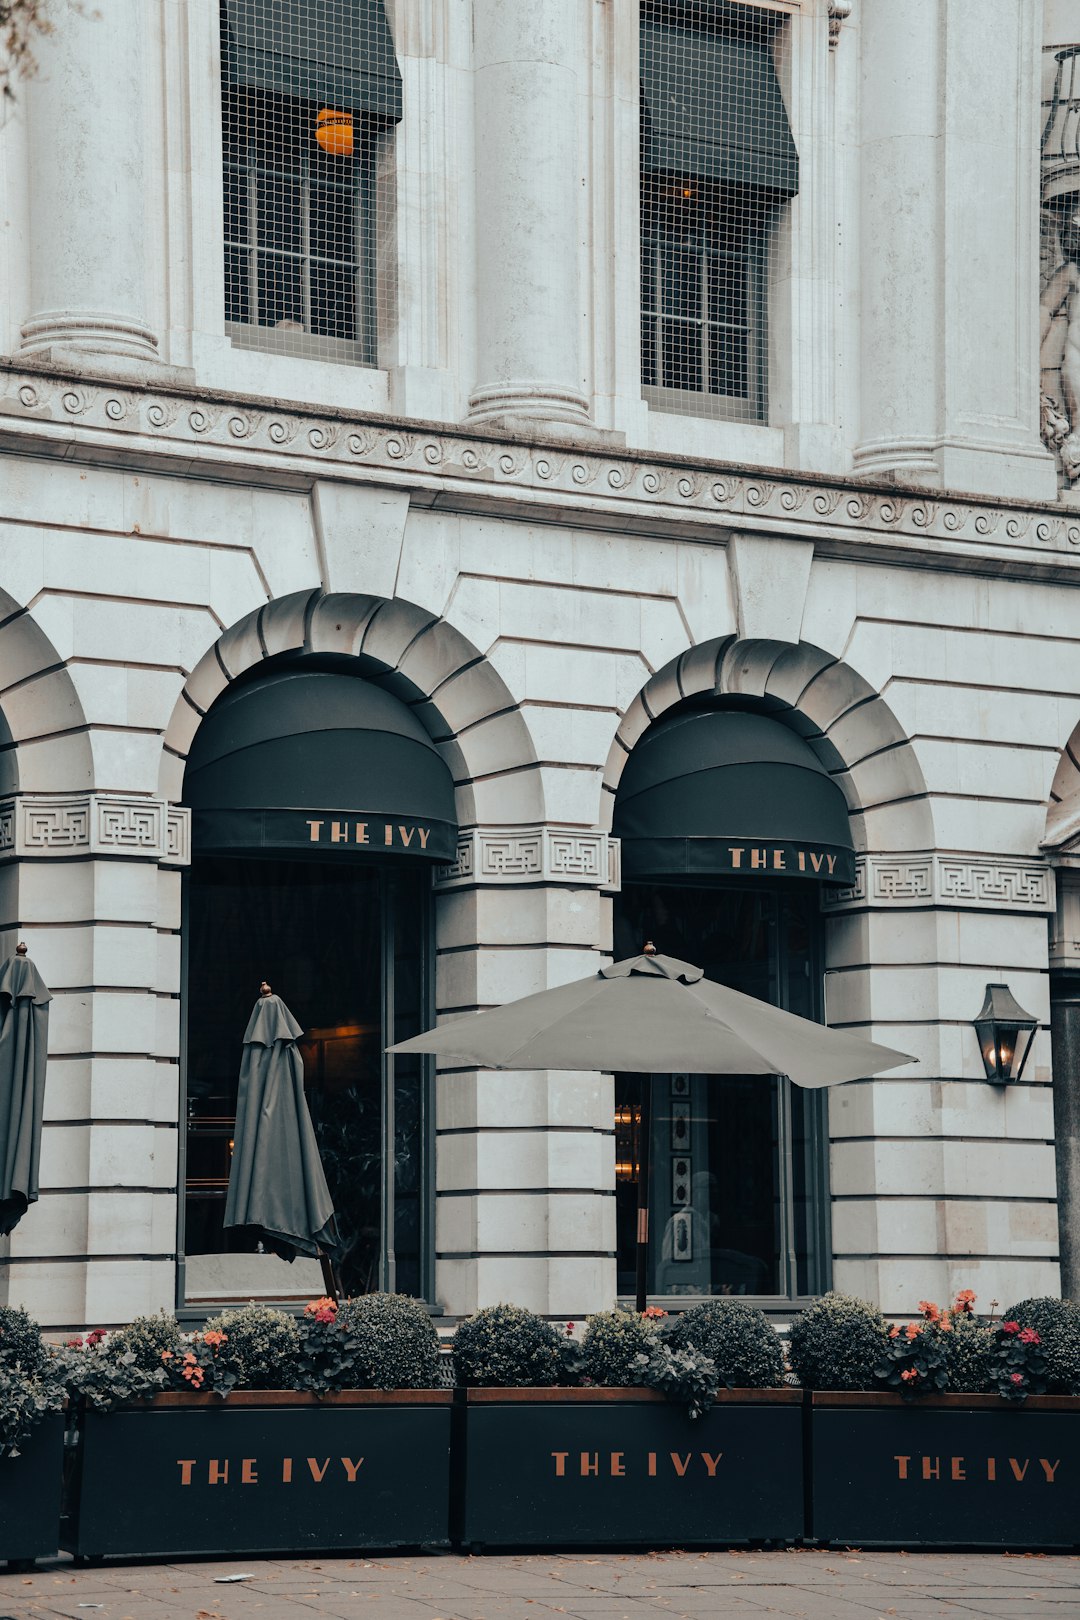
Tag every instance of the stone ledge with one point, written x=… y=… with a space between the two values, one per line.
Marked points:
x=583 y=856
x=50 y=405
x=951 y=881
x=35 y=825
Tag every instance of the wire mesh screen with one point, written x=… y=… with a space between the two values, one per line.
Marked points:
x=718 y=166
x=310 y=94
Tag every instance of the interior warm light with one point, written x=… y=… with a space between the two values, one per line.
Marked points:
x=334 y=132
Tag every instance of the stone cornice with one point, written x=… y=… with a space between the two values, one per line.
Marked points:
x=46 y=410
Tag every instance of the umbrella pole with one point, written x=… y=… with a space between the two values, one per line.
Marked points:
x=329 y=1276
x=644 y=1143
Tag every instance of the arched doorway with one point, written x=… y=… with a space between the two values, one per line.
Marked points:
x=320 y=808
x=730 y=825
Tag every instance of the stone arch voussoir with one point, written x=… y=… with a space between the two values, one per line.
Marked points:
x=462 y=701
x=843 y=719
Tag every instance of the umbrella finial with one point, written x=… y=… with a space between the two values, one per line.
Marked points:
x=648 y=949
x=20 y=949
x=264 y=989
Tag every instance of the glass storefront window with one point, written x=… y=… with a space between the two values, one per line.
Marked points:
x=346 y=947
x=738 y=1165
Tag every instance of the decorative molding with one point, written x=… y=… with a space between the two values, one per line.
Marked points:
x=839 y=11
x=67 y=414
x=43 y=824
x=964 y=882
x=585 y=857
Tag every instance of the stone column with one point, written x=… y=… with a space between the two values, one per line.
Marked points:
x=949 y=200
x=1065 y=1038
x=527 y=59
x=87 y=144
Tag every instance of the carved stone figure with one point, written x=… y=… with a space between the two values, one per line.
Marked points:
x=1059 y=334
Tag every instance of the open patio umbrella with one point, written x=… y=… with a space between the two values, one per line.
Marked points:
x=24 y=1033
x=276 y=1182
x=654 y=1015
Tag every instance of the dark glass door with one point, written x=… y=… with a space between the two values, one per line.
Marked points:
x=738 y=1173
x=346 y=947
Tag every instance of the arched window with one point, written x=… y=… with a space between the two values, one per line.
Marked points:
x=729 y=825
x=319 y=808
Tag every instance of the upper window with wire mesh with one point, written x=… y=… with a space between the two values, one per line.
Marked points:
x=310 y=92
x=718 y=165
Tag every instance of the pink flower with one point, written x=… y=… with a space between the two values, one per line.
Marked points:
x=1016 y=1378
x=1029 y=1336
x=74 y=1344
x=1010 y=1327
x=95 y=1337
x=909 y=1375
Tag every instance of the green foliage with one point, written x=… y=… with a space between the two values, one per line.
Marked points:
x=837 y=1343
x=21 y=1343
x=105 y=1379
x=736 y=1338
x=685 y=1376
x=509 y=1347
x=612 y=1342
x=379 y=1341
x=914 y=1362
x=260 y=1349
x=146 y=1339
x=25 y=1398
x=1018 y=1361
x=968 y=1356
x=1057 y=1322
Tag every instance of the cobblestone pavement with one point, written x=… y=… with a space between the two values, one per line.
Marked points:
x=685 y=1586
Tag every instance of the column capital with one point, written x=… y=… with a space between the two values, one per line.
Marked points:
x=43 y=825
x=957 y=881
x=584 y=857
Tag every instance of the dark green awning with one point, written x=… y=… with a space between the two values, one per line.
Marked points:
x=714 y=792
x=317 y=762
x=339 y=53
x=712 y=108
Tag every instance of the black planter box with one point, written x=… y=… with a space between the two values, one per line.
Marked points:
x=30 y=1493
x=946 y=1471
x=263 y=1472
x=602 y=1467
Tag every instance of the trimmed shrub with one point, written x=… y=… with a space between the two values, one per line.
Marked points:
x=21 y=1344
x=611 y=1344
x=379 y=1341
x=837 y=1343
x=146 y=1340
x=260 y=1348
x=737 y=1338
x=509 y=1347
x=969 y=1348
x=1057 y=1322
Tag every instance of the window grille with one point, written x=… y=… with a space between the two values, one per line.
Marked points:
x=718 y=163
x=310 y=94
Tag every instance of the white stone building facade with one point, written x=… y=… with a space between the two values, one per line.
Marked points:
x=539 y=559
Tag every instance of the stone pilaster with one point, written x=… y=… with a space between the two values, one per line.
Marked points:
x=525 y=1167
x=87 y=142
x=527 y=62
x=949 y=98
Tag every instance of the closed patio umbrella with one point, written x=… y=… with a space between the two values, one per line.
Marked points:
x=24 y=1033
x=654 y=1014
x=277 y=1187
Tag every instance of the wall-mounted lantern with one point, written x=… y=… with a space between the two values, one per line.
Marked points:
x=1005 y=1032
x=334 y=132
